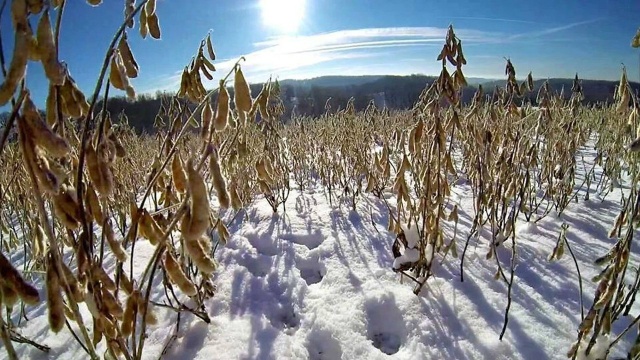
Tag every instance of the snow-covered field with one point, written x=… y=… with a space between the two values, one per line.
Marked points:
x=316 y=282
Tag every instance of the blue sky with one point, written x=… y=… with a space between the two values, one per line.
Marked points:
x=303 y=39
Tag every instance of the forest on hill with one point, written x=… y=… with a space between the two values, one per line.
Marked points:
x=310 y=97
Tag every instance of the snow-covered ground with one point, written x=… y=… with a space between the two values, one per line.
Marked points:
x=316 y=282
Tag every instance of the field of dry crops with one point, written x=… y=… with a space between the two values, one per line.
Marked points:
x=490 y=230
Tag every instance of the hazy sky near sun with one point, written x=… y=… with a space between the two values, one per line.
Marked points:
x=303 y=39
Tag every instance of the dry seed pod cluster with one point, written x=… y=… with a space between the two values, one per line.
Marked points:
x=120 y=73
x=191 y=85
x=72 y=101
x=503 y=160
x=196 y=221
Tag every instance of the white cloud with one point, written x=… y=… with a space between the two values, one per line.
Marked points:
x=551 y=31
x=291 y=56
x=371 y=34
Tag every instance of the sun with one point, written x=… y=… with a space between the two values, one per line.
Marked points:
x=283 y=15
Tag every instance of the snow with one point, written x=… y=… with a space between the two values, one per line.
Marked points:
x=317 y=282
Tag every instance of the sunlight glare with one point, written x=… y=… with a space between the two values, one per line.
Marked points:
x=284 y=15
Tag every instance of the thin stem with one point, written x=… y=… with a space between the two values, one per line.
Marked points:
x=12 y=119
x=89 y=117
x=575 y=261
x=3 y=66
x=6 y=339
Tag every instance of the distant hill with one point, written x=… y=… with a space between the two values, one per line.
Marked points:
x=309 y=97
x=594 y=90
x=345 y=80
x=332 y=81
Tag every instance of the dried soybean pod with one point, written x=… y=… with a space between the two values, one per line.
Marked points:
x=236 y=202
x=204 y=66
x=114 y=245
x=110 y=330
x=125 y=283
x=242 y=94
x=66 y=208
x=222 y=111
x=78 y=96
x=111 y=303
x=212 y=53
x=47 y=49
x=99 y=171
x=150 y=7
x=179 y=176
x=150 y=318
x=144 y=27
x=68 y=105
x=154 y=26
x=129 y=7
x=19 y=13
x=263 y=172
x=107 y=178
x=196 y=220
x=8 y=296
x=98 y=331
x=128 y=60
x=46 y=178
x=205 y=242
x=150 y=229
x=94 y=207
x=100 y=275
x=223 y=232
x=219 y=183
x=18 y=66
x=121 y=152
x=200 y=258
x=68 y=279
x=117 y=77
x=39 y=245
x=177 y=276
x=206 y=117
x=128 y=318
x=12 y=278
x=41 y=133
x=55 y=305
x=93 y=167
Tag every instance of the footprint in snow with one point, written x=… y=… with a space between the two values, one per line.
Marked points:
x=258 y=265
x=285 y=318
x=312 y=270
x=321 y=345
x=265 y=245
x=386 y=328
x=311 y=241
